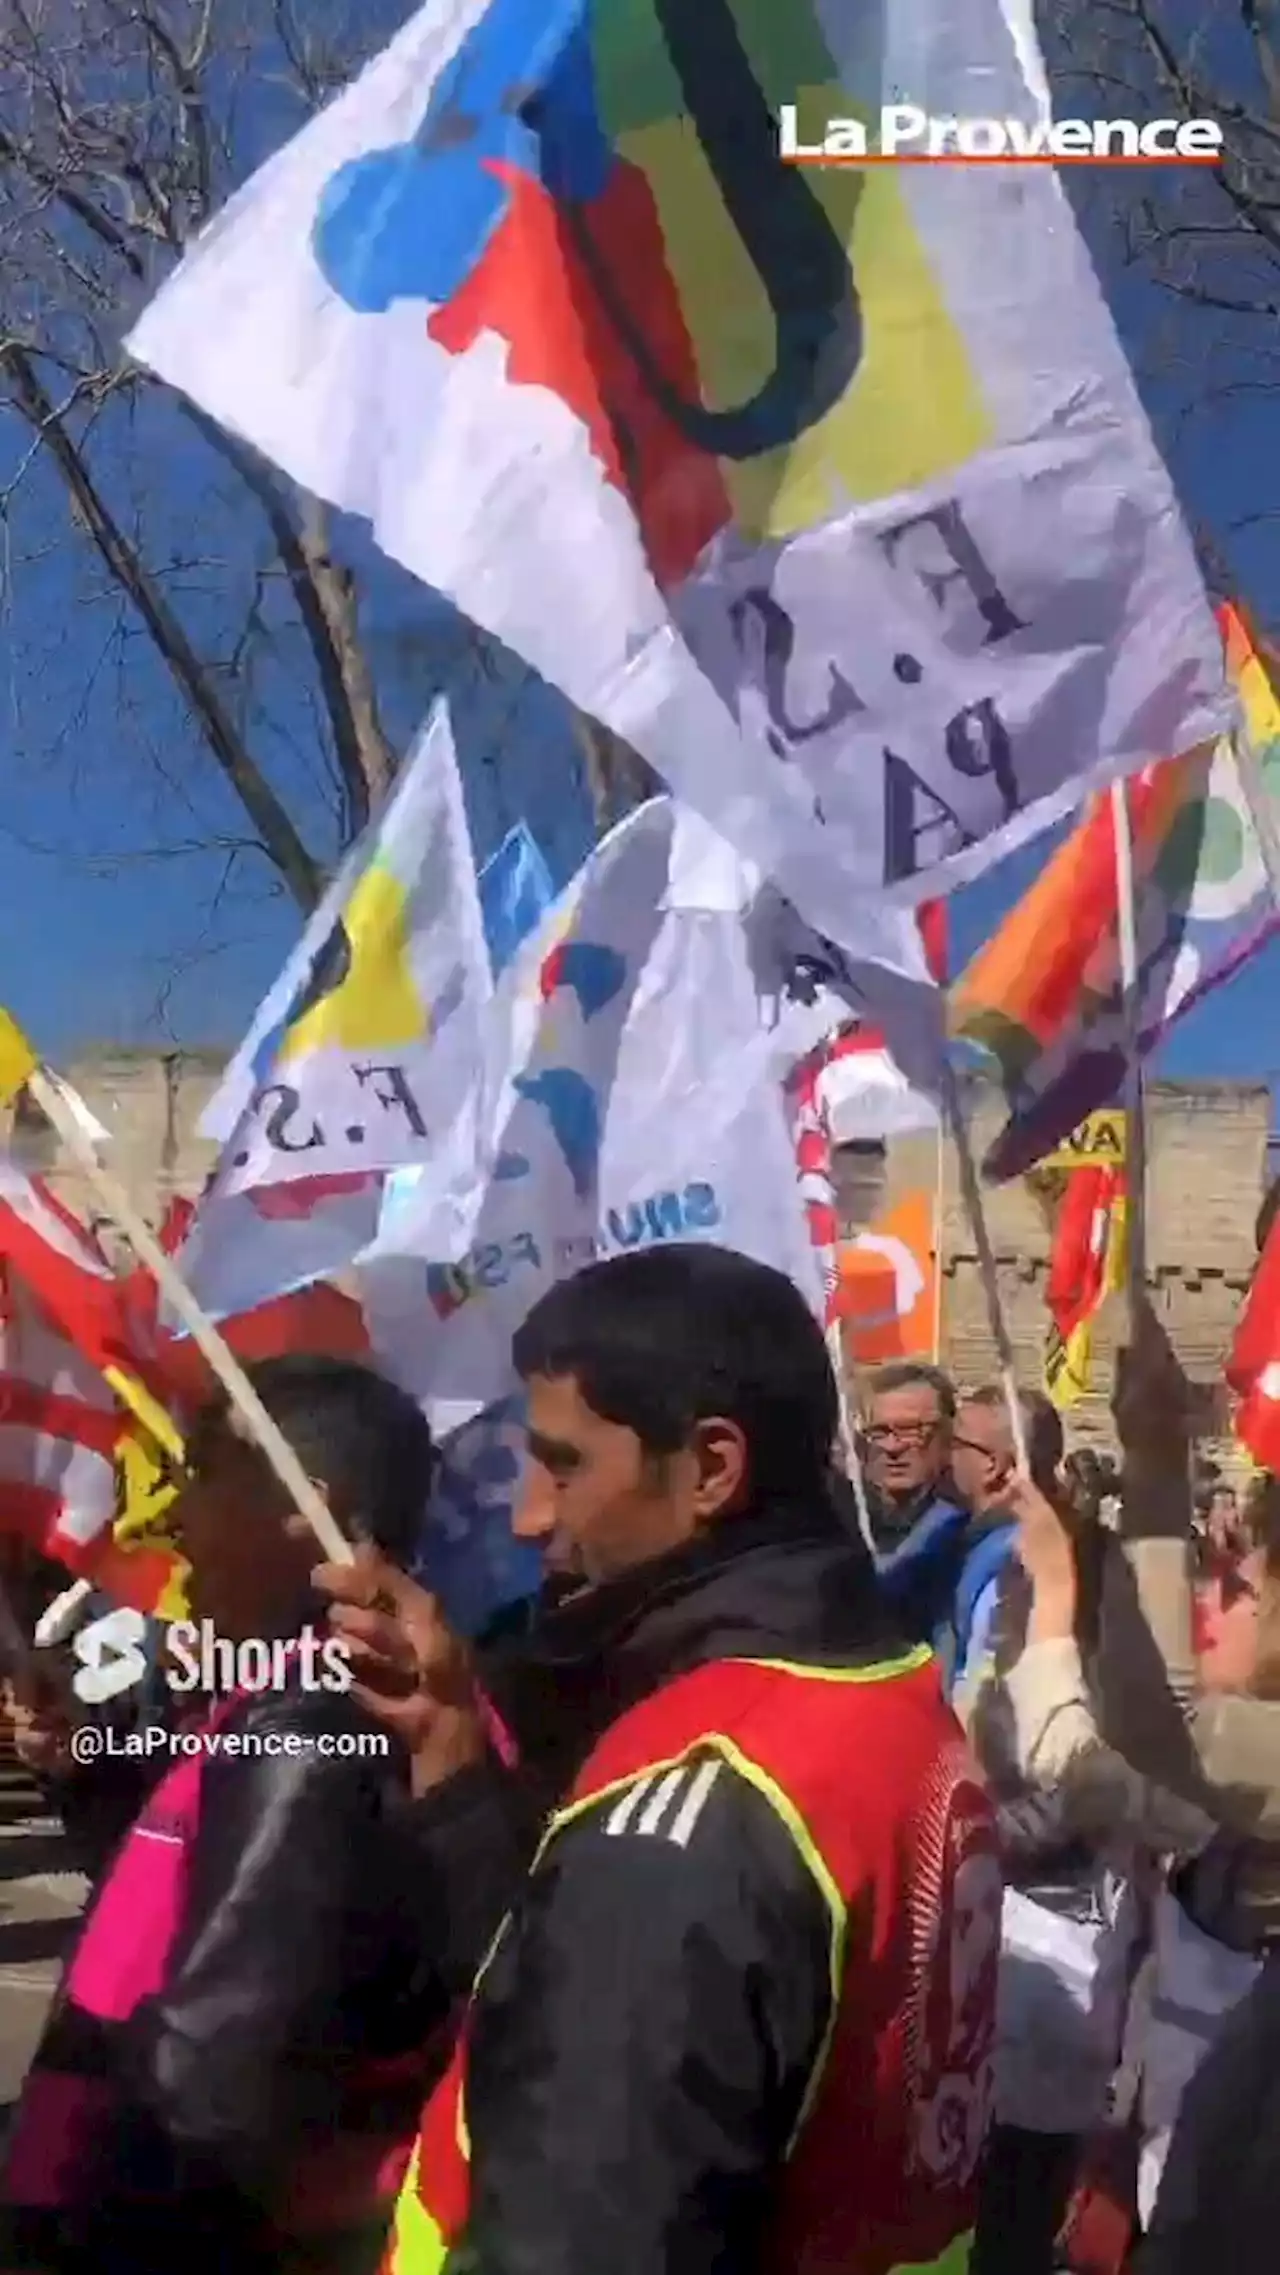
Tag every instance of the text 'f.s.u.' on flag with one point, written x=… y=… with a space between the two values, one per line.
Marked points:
x=829 y=491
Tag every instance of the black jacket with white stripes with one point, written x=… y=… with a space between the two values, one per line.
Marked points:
x=640 y=2044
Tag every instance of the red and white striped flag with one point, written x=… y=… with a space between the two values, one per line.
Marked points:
x=73 y=1386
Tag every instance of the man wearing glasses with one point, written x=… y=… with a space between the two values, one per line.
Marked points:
x=919 y=1523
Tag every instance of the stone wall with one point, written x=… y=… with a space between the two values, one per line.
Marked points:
x=1207 y=1146
x=1208 y=1166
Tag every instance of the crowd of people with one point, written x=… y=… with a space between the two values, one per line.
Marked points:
x=757 y=1898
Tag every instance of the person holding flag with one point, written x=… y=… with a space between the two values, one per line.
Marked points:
x=741 y=2011
x=231 y=2071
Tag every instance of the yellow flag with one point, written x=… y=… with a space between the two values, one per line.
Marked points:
x=1067 y=1365
x=18 y=1062
x=145 y=1409
x=143 y=1564
x=1099 y=1142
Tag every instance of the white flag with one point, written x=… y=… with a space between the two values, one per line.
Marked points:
x=639 y=1102
x=917 y=582
x=245 y=1249
x=530 y=1133
x=865 y=1095
x=359 y=1057
x=355 y=1065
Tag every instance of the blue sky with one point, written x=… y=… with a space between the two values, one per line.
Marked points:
x=112 y=927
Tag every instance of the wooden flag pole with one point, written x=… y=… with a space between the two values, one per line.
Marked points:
x=849 y=1436
x=939 y=1222
x=117 y=1204
x=971 y=1194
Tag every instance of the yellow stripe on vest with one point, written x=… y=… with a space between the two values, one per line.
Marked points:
x=416 y=2245
x=713 y=1741
x=882 y=1671
x=954 y=2261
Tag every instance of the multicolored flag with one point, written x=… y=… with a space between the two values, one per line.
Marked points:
x=1044 y=996
x=87 y=1451
x=828 y=490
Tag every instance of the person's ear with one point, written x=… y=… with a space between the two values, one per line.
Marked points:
x=722 y=1479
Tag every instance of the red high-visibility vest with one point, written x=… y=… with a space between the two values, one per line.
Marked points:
x=869 y=1774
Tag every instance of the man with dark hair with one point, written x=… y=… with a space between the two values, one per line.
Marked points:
x=740 y=2015
x=239 y=2040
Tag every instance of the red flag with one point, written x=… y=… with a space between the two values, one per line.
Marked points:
x=1080 y=1263
x=318 y=1320
x=67 y=1273
x=1253 y=1369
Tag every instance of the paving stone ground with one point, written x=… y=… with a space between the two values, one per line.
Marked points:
x=40 y=1902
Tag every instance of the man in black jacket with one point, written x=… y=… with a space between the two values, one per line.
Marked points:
x=741 y=2014
x=260 y=2021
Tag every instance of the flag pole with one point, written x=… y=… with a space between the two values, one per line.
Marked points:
x=849 y=1435
x=266 y=1433
x=971 y=1194
x=1135 y=1103
x=939 y=1221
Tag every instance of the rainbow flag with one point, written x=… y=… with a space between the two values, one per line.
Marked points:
x=1043 y=998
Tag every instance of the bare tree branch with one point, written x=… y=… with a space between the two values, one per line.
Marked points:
x=327 y=606
x=278 y=836
x=1208 y=241
x=123 y=126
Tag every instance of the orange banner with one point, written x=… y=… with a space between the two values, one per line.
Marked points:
x=885 y=1301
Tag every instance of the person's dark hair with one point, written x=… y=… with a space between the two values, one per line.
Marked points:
x=667 y=1337
x=361 y=1437
x=1090 y=1478
x=915 y=1374
x=1041 y=1424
